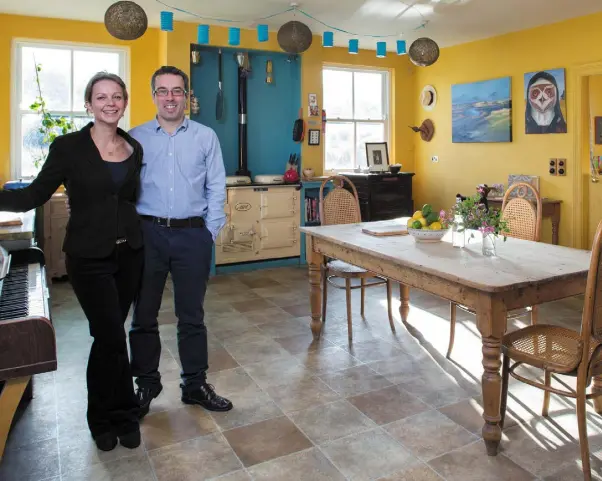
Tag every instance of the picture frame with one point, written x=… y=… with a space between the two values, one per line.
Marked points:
x=377 y=156
x=528 y=179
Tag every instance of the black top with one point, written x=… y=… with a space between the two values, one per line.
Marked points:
x=119 y=170
x=99 y=209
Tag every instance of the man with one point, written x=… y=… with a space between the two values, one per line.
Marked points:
x=181 y=204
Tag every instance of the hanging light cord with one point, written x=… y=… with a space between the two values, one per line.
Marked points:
x=409 y=6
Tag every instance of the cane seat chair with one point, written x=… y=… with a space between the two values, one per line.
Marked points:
x=340 y=206
x=524 y=221
x=558 y=350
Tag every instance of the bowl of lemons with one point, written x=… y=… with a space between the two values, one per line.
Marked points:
x=426 y=225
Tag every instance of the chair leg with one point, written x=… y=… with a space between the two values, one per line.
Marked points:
x=546 y=394
x=505 y=380
x=534 y=315
x=389 y=304
x=348 y=297
x=363 y=295
x=583 y=442
x=324 y=294
x=452 y=328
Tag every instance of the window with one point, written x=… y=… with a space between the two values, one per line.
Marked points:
x=357 y=111
x=65 y=71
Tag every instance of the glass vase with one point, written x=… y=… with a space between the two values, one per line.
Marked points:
x=458 y=233
x=489 y=245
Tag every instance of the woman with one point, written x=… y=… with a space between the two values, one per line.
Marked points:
x=100 y=167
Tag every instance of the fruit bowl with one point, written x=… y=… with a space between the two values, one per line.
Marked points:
x=427 y=235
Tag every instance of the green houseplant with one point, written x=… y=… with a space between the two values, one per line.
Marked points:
x=50 y=126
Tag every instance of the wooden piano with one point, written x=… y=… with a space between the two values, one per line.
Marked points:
x=27 y=338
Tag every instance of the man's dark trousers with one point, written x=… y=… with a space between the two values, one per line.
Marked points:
x=185 y=252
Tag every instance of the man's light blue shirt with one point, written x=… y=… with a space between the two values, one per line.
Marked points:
x=183 y=173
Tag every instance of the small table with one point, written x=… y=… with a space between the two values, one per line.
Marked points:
x=549 y=208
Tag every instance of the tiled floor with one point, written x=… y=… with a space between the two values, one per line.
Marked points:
x=388 y=407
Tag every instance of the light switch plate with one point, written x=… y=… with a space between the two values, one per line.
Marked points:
x=553 y=167
x=314 y=137
x=435 y=159
x=561 y=166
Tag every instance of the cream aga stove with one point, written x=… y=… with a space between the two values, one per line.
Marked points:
x=262 y=222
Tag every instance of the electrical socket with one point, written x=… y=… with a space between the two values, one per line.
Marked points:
x=561 y=166
x=435 y=159
x=553 y=169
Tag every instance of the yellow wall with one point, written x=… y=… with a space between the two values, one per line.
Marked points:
x=143 y=62
x=462 y=166
x=595 y=103
x=402 y=80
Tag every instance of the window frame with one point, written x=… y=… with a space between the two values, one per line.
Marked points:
x=385 y=103
x=15 y=102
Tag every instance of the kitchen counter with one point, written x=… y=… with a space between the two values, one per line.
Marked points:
x=297 y=185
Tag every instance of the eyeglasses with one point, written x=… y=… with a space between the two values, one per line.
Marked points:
x=176 y=92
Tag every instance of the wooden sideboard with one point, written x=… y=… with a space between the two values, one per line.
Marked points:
x=53 y=234
x=383 y=196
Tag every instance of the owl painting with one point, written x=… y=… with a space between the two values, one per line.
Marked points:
x=545 y=111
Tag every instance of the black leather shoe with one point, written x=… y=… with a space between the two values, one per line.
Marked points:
x=145 y=394
x=106 y=441
x=205 y=396
x=130 y=440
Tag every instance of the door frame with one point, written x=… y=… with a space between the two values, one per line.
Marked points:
x=578 y=73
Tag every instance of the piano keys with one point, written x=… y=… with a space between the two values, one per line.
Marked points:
x=27 y=338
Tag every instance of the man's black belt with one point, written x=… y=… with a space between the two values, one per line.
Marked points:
x=178 y=223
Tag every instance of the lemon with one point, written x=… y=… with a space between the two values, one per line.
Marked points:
x=423 y=221
x=417 y=214
x=436 y=226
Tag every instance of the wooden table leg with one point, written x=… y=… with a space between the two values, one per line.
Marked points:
x=491 y=321
x=315 y=287
x=9 y=401
x=404 y=302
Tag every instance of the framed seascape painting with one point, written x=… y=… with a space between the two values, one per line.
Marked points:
x=545 y=102
x=482 y=111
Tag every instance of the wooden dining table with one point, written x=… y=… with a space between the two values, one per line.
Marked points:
x=522 y=274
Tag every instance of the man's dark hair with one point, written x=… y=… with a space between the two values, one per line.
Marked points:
x=168 y=69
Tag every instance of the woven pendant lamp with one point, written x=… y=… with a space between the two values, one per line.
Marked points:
x=294 y=37
x=126 y=20
x=424 y=52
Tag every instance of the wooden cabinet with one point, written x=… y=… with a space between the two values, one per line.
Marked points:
x=383 y=196
x=54 y=228
x=262 y=222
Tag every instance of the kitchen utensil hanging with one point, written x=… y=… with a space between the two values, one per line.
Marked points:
x=219 y=102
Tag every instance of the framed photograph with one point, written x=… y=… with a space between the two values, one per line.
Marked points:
x=377 y=156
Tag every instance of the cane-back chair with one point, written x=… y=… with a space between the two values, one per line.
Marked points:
x=558 y=350
x=340 y=206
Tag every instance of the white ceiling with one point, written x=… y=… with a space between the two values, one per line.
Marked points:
x=450 y=22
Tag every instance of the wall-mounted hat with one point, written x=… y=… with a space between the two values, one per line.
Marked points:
x=428 y=98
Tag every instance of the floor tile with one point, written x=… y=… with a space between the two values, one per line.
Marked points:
x=220 y=360
x=240 y=475
x=303 y=394
x=173 y=426
x=33 y=425
x=252 y=305
x=200 y=458
x=370 y=351
x=266 y=440
x=250 y=406
x=356 y=380
x=135 y=468
x=387 y=405
x=303 y=343
x=78 y=450
x=310 y=465
x=17 y=464
x=331 y=421
x=471 y=463
x=328 y=360
x=417 y=473
x=287 y=370
x=430 y=434
x=368 y=455
x=267 y=315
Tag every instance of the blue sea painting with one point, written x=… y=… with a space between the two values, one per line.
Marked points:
x=482 y=111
